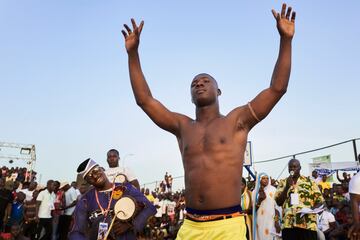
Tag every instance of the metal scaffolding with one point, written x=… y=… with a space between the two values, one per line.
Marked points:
x=26 y=152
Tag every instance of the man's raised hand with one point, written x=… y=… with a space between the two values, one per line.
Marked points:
x=285 y=24
x=132 y=36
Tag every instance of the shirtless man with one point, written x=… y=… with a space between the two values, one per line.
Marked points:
x=212 y=144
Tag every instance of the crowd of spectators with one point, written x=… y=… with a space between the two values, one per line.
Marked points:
x=25 y=211
x=332 y=223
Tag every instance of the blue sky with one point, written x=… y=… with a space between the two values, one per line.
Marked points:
x=65 y=85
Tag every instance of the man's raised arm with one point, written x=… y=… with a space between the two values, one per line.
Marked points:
x=158 y=113
x=263 y=103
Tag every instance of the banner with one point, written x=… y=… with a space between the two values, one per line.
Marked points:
x=328 y=168
x=324 y=159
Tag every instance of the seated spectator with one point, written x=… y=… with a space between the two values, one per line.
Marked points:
x=338 y=193
x=326 y=222
x=341 y=215
x=341 y=231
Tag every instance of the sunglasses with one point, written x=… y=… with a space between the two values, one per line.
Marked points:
x=93 y=171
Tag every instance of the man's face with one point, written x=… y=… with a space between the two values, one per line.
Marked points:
x=96 y=177
x=20 y=196
x=113 y=159
x=339 y=190
x=294 y=166
x=204 y=90
x=324 y=178
x=315 y=174
x=50 y=186
x=35 y=194
x=32 y=186
x=56 y=186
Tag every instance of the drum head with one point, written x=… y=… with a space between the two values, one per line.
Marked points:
x=120 y=178
x=125 y=208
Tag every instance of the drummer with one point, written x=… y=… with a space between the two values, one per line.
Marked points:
x=94 y=212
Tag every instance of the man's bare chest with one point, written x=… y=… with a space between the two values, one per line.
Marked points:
x=214 y=136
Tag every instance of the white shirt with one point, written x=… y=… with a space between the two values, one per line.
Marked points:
x=70 y=197
x=28 y=194
x=317 y=180
x=163 y=206
x=171 y=208
x=112 y=172
x=47 y=203
x=324 y=220
x=354 y=185
x=158 y=210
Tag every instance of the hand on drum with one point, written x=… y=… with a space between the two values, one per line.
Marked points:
x=120 y=227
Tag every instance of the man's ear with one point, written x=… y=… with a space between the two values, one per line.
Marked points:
x=219 y=91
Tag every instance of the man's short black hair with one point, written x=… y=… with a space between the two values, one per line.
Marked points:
x=113 y=150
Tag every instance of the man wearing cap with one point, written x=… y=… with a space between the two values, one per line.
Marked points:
x=70 y=197
x=94 y=212
x=114 y=169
